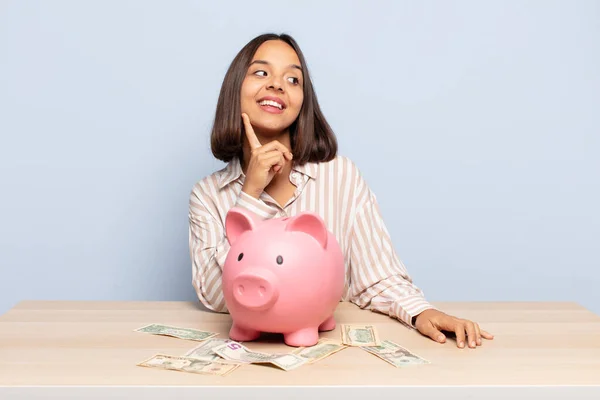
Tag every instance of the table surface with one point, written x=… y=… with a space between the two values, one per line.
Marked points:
x=94 y=343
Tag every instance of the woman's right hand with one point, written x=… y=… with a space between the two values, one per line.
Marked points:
x=265 y=161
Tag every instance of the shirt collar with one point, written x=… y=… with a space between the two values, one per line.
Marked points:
x=233 y=171
x=309 y=169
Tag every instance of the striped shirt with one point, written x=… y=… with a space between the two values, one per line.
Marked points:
x=376 y=279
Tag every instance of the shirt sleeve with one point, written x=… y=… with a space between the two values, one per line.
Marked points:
x=208 y=245
x=379 y=279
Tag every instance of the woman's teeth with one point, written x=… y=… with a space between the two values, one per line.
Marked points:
x=270 y=103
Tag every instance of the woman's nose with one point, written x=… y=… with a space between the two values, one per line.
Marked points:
x=275 y=84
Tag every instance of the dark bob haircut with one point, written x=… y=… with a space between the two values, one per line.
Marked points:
x=311 y=137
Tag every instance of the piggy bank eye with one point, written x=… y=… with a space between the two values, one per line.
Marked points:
x=279 y=260
x=240 y=256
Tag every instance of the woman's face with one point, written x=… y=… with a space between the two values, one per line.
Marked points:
x=272 y=92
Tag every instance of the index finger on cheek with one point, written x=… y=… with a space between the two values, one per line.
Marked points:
x=250 y=135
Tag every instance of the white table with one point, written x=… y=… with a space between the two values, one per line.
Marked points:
x=88 y=349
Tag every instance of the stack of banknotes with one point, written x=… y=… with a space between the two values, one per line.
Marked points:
x=219 y=356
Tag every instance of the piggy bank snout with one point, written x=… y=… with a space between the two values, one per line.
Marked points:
x=256 y=289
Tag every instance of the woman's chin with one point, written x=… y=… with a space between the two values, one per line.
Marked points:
x=269 y=129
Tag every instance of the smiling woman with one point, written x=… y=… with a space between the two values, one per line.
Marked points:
x=271 y=67
x=282 y=160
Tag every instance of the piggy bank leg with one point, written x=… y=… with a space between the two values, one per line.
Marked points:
x=240 y=334
x=327 y=325
x=302 y=338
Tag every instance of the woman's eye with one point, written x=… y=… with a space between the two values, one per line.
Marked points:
x=293 y=80
x=260 y=73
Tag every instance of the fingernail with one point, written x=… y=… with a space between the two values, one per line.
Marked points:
x=473 y=344
x=461 y=345
x=441 y=337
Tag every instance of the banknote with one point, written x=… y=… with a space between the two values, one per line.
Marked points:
x=360 y=335
x=395 y=354
x=204 y=350
x=234 y=351
x=181 y=333
x=189 y=364
x=324 y=348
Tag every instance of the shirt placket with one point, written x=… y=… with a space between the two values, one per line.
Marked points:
x=299 y=180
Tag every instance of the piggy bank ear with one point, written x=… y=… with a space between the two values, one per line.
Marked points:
x=238 y=221
x=311 y=224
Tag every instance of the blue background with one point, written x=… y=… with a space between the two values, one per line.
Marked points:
x=476 y=124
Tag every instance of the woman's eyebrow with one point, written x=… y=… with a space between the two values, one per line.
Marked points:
x=267 y=63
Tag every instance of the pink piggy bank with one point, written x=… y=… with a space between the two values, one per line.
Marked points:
x=283 y=275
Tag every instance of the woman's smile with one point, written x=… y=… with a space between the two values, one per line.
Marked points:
x=272 y=104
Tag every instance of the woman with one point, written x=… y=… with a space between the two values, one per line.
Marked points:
x=282 y=160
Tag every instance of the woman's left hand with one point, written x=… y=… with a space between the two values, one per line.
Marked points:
x=432 y=322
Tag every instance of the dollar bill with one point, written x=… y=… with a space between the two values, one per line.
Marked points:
x=204 y=350
x=324 y=348
x=189 y=364
x=360 y=335
x=181 y=333
x=234 y=351
x=395 y=354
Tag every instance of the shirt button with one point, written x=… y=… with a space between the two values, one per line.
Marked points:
x=294 y=175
